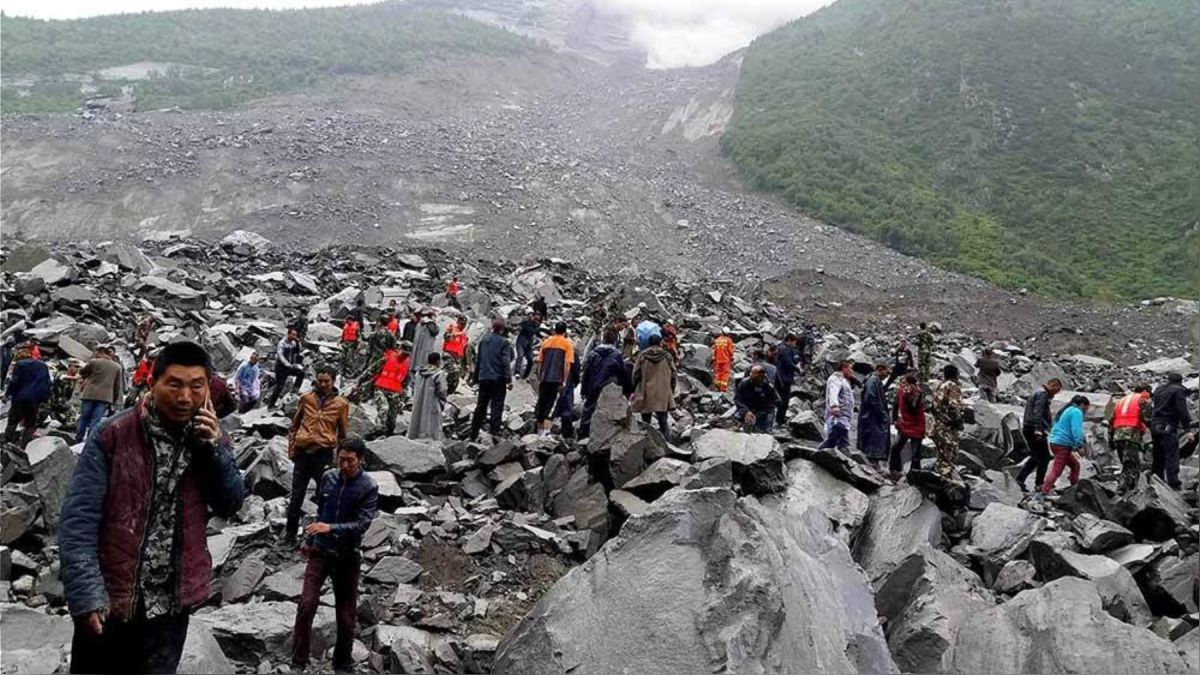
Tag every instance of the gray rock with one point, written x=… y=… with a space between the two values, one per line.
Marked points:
x=286 y=584
x=53 y=272
x=757 y=458
x=814 y=610
x=585 y=500
x=1014 y=577
x=1119 y=593
x=659 y=477
x=715 y=472
x=1161 y=366
x=241 y=583
x=1061 y=627
x=899 y=521
x=34 y=642
x=51 y=462
x=841 y=466
x=202 y=653
x=480 y=539
x=1189 y=649
x=629 y=452
x=1153 y=511
x=500 y=453
x=406 y=458
x=1088 y=496
x=1171 y=585
x=1170 y=628
x=806 y=426
x=394 y=569
x=128 y=257
x=924 y=600
x=627 y=503
x=1133 y=556
x=250 y=632
x=1002 y=533
x=522 y=492
x=169 y=292
x=810 y=486
x=1100 y=536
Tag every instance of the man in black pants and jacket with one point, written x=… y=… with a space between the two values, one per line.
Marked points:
x=347 y=501
x=1169 y=417
x=493 y=375
x=1036 y=432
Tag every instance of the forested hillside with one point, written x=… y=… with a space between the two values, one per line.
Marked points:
x=1048 y=144
x=220 y=57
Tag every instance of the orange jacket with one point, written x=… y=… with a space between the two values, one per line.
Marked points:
x=455 y=343
x=395 y=370
x=723 y=350
x=350 y=331
x=393 y=325
x=1127 y=414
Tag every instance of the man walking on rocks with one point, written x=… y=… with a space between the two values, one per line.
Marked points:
x=289 y=362
x=388 y=378
x=62 y=394
x=901 y=365
x=425 y=340
x=785 y=367
x=349 y=345
x=1169 y=418
x=554 y=362
x=722 y=356
x=924 y=353
x=988 y=368
x=526 y=333
x=493 y=377
x=909 y=413
x=654 y=377
x=246 y=382
x=1126 y=433
x=429 y=397
x=839 y=407
x=603 y=366
x=347 y=501
x=132 y=535
x=378 y=344
x=322 y=420
x=1066 y=439
x=1036 y=431
x=874 y=422
x=28 y=387
x=454 y=352
x=948 y=420
x=100 y=389
x=755 y=401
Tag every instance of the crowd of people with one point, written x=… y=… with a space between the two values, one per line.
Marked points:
x=153 y=450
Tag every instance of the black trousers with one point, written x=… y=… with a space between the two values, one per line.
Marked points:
x=1165 y=463
x=896 y=455
x=281 y=377
x=1039 y=456
x=664 y=422
x=24 y=413
x=491 y=401
x=138 y=646
x=589 y=409
x=785 y=394
x=547 y=397
x=306 y=466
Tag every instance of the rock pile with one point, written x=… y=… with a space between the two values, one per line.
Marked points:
x=713 y=549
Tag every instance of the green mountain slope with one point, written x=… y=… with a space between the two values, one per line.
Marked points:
x=1048 y=144
x=222 y=56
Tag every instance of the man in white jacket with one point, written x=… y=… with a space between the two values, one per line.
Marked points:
x=839 y=407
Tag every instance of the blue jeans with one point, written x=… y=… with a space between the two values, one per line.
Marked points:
x=90 y=414
x=524 y=357
x=839 y=437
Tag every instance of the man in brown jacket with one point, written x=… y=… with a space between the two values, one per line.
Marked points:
x=321 y=422
x=100 y=386
x=654 y=377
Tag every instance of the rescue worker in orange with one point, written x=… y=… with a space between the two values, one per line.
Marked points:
x=670 y=341
x=452 y=290
x=454 y=353
x=722 y=357
x=350 y=331
x=389 y=376
x=1126 y=433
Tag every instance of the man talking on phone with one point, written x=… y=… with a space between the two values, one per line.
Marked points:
x=132 y=538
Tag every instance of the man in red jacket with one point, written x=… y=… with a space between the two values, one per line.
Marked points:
x=909 y=413
x=132 y=537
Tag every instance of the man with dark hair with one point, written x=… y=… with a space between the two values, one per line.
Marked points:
x=378 y=344
x=527 y=332
x=755 y=401
x=100 y=389
x=1169 y=417
x=132 y=534
x=839 y=407
x=604 y=365
x=29 y=387
x=989 y=371
x=388 y=378
x=1036 y=432
x=429 y=398
x=321 y=422
x=874 y=421
x=493 y=376
x=902 y=363
x=948 y=420
x=347 y=499
x=554 y=362
x=924 y=353
x=785 y=374
x=289 y=362
x=654 y=379
x=1127 y=425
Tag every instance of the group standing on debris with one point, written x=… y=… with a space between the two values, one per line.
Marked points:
x=155 y=460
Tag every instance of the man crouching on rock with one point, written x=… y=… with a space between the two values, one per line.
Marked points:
x=132 y=537
x=346 y=504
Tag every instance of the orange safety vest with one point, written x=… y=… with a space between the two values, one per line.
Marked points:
x=350 y=331
x=394 y=372
x=452 y=290
x=1127 y=414
x=393 y=325
x=455 y=343
x=723 y=350
x=142 y=374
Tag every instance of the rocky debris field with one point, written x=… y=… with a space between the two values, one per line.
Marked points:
x=713 y=550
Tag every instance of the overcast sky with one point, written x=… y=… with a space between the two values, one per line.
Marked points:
x=673 y=32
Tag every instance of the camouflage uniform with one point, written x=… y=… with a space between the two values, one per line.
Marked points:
x=389 y=404
x=454 y=369
x=377 y=345
x=947 y=423
x=1130 y=445
x=60 y=407
x=349 y=354
x=924 y=354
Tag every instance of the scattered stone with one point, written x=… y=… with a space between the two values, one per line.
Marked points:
x=394 y=569
x=757 y=458
x=1100 y=536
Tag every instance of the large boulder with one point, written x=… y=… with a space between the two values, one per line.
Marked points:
x=1153 y=511
x=34 y=641
x=1061 y=627
x=924 y=600
x=757 y=458
x=584 y=500
x=659 y=477
x=1089 y=496
x=1002 y=533
x=51 y=462
x=841 y=466
x=202 y=653
x=1119 y=593
x=1100 y=536
x=406 y=458
x=169 y=292
x=899 y=521
x=705 y=582
x=1171 y=585
x=251 y=632
x=810 y=486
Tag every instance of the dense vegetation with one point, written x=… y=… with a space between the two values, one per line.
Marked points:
x=228 y=56
x=1047 y=144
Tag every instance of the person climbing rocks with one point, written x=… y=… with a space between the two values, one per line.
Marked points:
x=1035 y=429
x=722 y=358
x=839 y=406
x=924 y=353
x=948 y=421
x=874 y=421
x=1067 y=441
x=454 y=352
x=554 y=361
x=1127 y=426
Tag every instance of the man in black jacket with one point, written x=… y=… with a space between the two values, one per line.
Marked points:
x=1036 y=431
x=785 y=374
x=756 y=400
x=347 y=501
x=493 y=376
x=1169 y=417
